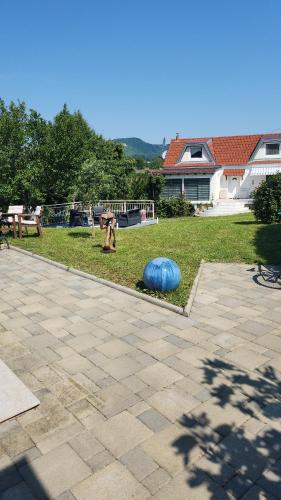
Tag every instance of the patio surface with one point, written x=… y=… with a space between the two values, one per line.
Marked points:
x=137 y=401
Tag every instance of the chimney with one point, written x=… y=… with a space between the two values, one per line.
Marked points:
x=177 y=135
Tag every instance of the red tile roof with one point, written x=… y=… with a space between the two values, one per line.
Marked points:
x=239 y=172
x=186 y=170
x=227 y=150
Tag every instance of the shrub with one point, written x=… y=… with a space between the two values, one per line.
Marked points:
x=267 y=199
x=174 y=207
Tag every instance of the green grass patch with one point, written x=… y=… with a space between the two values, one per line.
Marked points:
x=185 y=240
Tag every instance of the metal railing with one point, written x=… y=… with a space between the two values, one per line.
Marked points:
x=146 y=207
x=59 y=214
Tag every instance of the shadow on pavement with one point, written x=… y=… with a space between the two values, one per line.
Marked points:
x=18 y=481
x=241 y=454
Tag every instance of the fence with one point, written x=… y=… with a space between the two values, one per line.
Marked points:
x=58 y=214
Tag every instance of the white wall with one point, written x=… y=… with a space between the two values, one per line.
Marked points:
x=246 y=185
x=187 y=158
x=261 y=152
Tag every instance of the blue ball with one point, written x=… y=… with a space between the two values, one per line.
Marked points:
x=162 y=274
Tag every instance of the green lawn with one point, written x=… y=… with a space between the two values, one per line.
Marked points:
x=186 y=240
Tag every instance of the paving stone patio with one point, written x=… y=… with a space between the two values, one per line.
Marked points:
x=135 y=400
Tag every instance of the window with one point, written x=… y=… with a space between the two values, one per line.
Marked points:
x=272 y=149
x=195 y=151
x=172 y=187
x=197 y=189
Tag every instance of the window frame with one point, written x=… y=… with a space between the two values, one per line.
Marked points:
x=272 y=144
x=196 y=147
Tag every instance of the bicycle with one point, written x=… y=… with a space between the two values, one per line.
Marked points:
x=270 y=276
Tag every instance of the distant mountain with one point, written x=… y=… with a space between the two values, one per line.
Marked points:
x=136 y=147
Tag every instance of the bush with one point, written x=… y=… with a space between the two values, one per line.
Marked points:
x=267 y=200
x=174 y=207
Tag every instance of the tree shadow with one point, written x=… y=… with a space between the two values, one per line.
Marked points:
x=80 y=234
x=19 y=481
x=238 y=430
x=268 y=243
x=247 y=222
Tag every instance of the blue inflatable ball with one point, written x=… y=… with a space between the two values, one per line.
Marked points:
x=162 y=274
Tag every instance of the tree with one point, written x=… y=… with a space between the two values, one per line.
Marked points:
x=144 y=185
x=100 y=179
x=23 y=139
x=267 y=199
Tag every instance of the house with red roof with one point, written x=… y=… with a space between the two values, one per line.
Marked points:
x=209 y=169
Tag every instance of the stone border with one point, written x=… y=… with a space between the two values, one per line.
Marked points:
x=184 y=311
x=187 y=308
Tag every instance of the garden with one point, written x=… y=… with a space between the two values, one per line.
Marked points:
x=186 y=240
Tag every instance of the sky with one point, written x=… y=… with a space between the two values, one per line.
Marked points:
x=148 y=69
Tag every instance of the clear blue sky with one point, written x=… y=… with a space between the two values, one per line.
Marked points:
x=146 y=68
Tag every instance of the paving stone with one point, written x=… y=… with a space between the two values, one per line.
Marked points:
x=113 y=399
x=67 y=495
x=58 y=437
x=115 y=481
x=154 y=420
x=271 y=480
x=57 y=471
x=219 y=322
x=75 y=363
x=224 y=417
x=122 y=367
x=151 y=333
x=270 y=341
x=114 y=348
x=159 y=349
x=18 y=492
x=191 y=487
x=255 y=328
x=133 y=383
x=139 y=463
x=173 y=402
x=227 y=340
x=214 y=467
x=100 y=460
x=166 y=448
x=16 y=442
x=121 y=433
x=238 y=486
x=156 y=480
x=86 y=445
x=83 y=342
x=105 y=382
x=241 y=454
x=159 y=375
x=256 y=493
x=196 y=356
x=139 y=408
x=246 y=358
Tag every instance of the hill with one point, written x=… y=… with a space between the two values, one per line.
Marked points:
x=136 y=147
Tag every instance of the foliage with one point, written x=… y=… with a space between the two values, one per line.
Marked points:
x=100 y=179
x=144 y=185
x=174 y=207
x=186 y=240
x=40 y=161
x=267 y=199
x=23 y=143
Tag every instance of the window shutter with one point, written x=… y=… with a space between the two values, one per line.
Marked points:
x=172 y=188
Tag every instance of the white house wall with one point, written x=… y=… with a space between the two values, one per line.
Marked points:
x=247 y=183
x=260 y=154
x=187 y=158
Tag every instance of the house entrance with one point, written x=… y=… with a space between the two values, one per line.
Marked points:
x=233 y=187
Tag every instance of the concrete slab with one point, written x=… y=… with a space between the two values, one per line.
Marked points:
x=15 y=397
